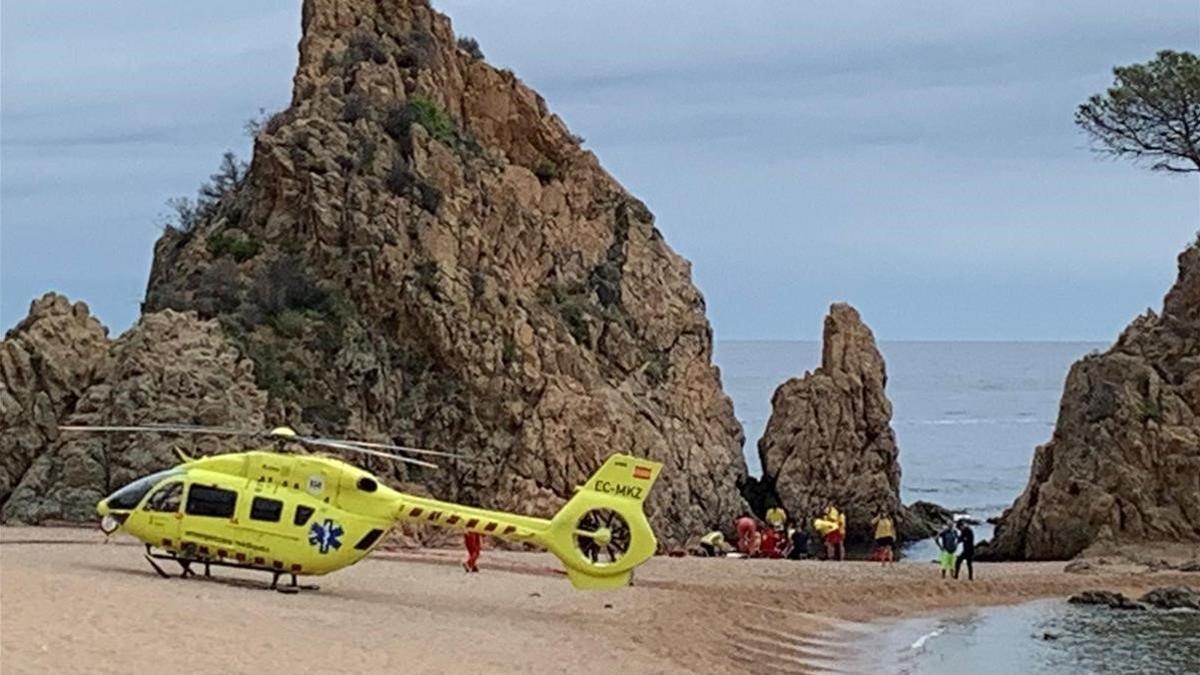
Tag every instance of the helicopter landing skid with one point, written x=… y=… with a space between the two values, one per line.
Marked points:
x=292 y=587
x=185 y=570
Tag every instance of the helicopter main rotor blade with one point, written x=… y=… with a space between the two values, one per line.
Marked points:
x=325 y=443
x=280 y=433
x=161 y=429
x=402 y=448
x=199 y=429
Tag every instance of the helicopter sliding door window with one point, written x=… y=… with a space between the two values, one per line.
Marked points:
x=263 y=508
x=303 y=513
x=211 y=501
x=166 y=499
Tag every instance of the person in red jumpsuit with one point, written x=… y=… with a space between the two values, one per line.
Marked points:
x=474 y=542
x=747 y=531
x=770 y=543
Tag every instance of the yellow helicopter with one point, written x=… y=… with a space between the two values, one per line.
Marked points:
x=308 y=515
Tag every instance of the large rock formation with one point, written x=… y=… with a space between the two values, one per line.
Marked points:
x=829 y=439
x=46 y=363
x=170 y=367
x=1123 y=465
x=420 y=251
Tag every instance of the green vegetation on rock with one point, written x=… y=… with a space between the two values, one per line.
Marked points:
x=1151 y=113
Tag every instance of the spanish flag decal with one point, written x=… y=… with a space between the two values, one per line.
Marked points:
x=641 y=472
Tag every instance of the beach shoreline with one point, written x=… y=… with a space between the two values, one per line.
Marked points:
x=72 y=601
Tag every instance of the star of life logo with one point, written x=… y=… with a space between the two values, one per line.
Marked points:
x=326 y=535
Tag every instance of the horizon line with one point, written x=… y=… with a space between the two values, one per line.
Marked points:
x=931 y=340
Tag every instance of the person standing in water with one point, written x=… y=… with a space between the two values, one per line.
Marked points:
x=967 y=536
x=885 y=537
x=947 y=541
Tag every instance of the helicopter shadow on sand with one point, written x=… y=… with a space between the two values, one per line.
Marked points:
x=232 y=582
x=396 y=598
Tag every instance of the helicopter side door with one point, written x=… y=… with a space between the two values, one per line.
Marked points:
x=162 y=514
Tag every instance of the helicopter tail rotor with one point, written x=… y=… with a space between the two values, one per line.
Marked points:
x=602 y=533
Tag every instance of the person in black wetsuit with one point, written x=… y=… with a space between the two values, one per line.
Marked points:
x=798 y=540
x=966 y=536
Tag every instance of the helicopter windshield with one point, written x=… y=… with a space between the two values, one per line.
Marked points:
x=131 y=495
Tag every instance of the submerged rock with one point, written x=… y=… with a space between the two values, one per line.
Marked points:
x=1123 y=465
x=829 y=439
x=1106 y=598
x=1173 y=597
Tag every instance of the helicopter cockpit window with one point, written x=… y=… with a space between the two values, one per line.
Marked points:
x=264 y=508
x=166 y=498
x=131 y=495
x=303 y=513
x=367 y=484
x=214 y=502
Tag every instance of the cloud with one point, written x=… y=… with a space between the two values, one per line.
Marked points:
x=917 y=158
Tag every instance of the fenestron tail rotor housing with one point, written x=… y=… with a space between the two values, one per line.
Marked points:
x=602 y=536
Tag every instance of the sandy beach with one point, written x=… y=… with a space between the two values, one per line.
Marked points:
x=71 y=602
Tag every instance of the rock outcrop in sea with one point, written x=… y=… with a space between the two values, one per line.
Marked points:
x=421 y=252
x=1123 y=465
x=829 y=439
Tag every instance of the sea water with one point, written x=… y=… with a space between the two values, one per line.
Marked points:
x=968 y=416
x=1047 y=636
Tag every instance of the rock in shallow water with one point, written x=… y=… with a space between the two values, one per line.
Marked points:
x=1107 y=598
x=1173 y=597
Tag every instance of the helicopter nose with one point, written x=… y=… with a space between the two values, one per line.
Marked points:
x=110 y=521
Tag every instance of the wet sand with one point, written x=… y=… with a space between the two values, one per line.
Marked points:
x=70 y=602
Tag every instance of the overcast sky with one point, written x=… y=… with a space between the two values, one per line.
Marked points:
x=917 y=159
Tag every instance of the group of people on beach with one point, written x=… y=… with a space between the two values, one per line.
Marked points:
x=778 y=535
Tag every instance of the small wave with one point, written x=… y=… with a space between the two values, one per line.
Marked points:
x=919 y=644
x=974 y=421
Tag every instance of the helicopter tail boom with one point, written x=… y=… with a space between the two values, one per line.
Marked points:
x=600 y=535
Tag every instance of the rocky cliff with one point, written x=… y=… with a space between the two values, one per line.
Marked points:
x=829 y=439
x=58 y=367
x=1123 y=464
x=420 y=251
x=46 y=363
